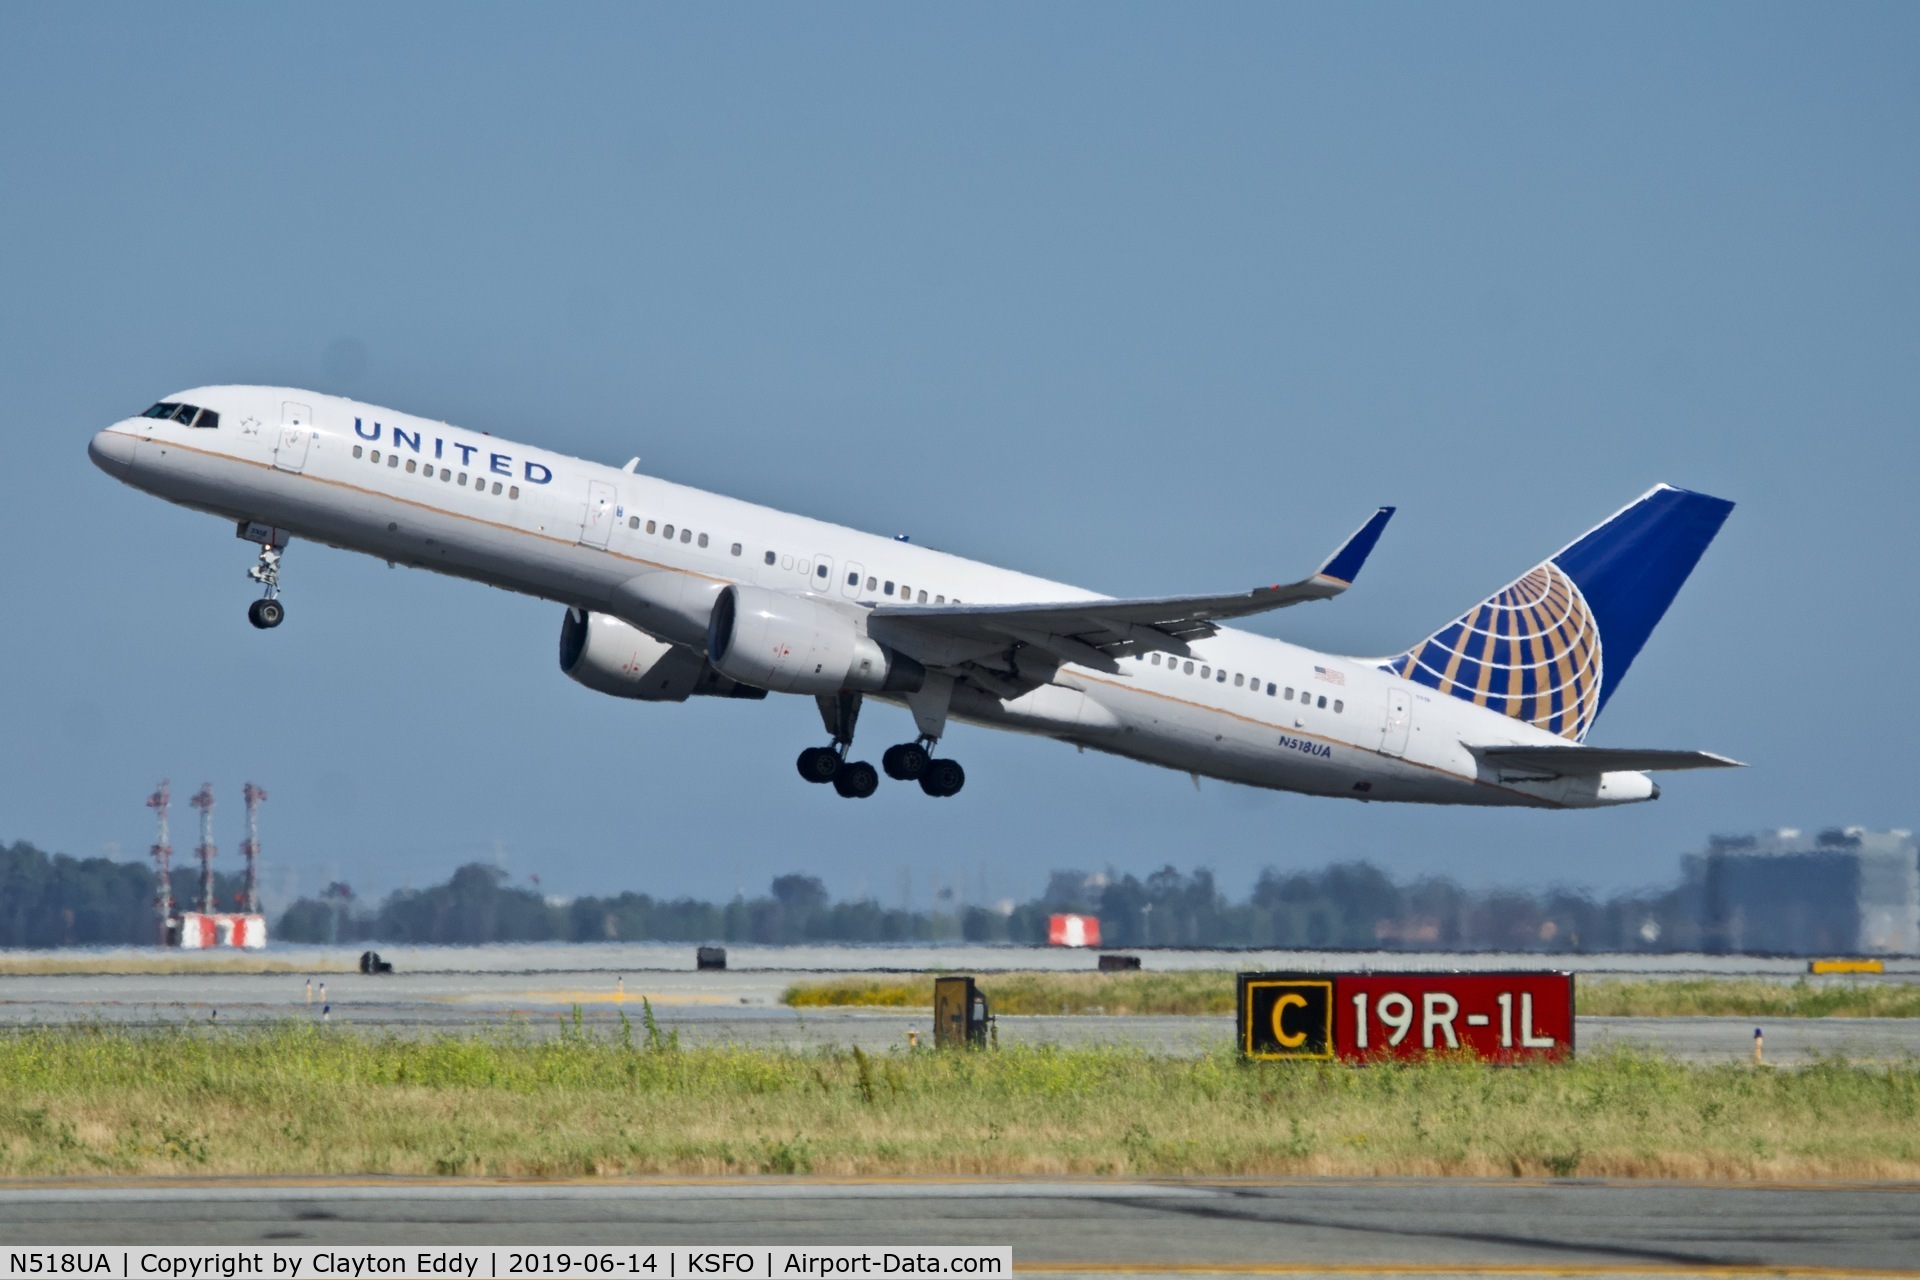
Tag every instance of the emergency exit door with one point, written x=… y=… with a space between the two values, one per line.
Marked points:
x=597 y=524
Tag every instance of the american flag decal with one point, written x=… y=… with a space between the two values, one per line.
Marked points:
x=1330 y=676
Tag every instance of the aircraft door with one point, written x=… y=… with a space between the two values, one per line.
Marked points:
x=296 y=435
x=850 y=587
x=1393 y=734
x=596 y=525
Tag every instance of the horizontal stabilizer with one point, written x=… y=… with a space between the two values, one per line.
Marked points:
x=1582 y=762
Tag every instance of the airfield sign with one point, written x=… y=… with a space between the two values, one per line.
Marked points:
x=1371 y=1017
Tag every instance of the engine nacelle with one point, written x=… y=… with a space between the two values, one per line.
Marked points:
x=614 y=657
x=800 y=644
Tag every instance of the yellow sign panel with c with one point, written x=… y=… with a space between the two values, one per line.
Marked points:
x=1288 y=1039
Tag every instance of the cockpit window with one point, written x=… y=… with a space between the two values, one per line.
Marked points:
x=207 y=420
x=161 y=410
x=184 y=415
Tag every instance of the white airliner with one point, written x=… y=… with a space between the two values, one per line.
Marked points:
x=671 y=592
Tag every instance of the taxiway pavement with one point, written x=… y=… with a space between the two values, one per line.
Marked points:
x=1273 y=1227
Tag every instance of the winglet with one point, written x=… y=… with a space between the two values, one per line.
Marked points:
x=1343 y=566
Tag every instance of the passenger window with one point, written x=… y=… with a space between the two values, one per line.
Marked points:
x=1222 y=677
x=357 y=451
x=736 y=548
x=1270 y=689
x=922 y=599
x=1206 y=673
x=376 y=455
x=1289 y=694
x=1339 y=706
x=1238 y=680
x=786 y=562
x=1189 y=668
x=769 y=557
x=462 y=479
x=207 y=420
x=496 y=486
x=446 y=473
x=633 y=522
x=412 y=466
x=686 y=535
x=667 y=533
x=870 y=582
x=703 y=539
x=1322 y=704
x=888 y=591
x=1156 y=659
x=820 y=572
x=943 y=600
x=652 y=527
x=853 y=579
x=513 y=491
x=393 y=459
x=906 y=592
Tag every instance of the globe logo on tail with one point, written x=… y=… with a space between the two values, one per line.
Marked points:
x=1532 y=652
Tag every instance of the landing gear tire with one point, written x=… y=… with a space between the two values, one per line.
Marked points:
x=856 y=781
x=266 y=614
x=905 y=762
x=943 y=778
x=819 y=764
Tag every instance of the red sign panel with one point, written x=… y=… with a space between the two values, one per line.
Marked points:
x=1367 y=1017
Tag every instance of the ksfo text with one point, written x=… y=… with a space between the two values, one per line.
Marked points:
x=130 y=1262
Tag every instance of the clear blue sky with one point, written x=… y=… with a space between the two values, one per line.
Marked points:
x=1146 y=298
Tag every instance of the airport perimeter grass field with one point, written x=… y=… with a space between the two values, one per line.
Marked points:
x=1210 y=991
x=292 y=1099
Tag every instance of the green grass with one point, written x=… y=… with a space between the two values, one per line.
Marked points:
x=301 y=1099
x=1204 y=991
x=1135 y=991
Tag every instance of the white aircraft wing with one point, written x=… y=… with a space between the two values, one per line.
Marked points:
x=1579 y=762
x=1096 y=632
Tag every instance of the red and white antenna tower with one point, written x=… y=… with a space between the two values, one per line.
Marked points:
x=162 y=860
x=203 y=801
x=250 y=849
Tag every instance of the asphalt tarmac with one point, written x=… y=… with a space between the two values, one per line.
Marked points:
x=743 y=1007
x=1162 y=1227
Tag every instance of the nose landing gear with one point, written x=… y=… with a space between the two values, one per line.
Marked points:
x=266 y=612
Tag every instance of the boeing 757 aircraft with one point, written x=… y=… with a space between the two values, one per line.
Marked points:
x=673 y=593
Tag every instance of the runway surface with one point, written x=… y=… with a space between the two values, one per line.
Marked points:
x=1304 y=1227
x=742 y=1006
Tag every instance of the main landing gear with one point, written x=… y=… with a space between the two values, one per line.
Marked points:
x=267 y=612
x=856 y=779
x=914 y=762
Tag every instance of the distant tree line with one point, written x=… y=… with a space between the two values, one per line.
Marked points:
x=1350 y=906
x=56 y=900
x=53 y=900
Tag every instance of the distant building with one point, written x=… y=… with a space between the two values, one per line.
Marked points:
x=1844 y=891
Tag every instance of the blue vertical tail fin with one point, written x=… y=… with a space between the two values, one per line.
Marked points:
x=1551 y=647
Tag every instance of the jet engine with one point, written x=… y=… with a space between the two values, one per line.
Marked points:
x=611 y=656
x=801 y=644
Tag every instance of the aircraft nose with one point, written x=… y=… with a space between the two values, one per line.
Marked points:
x=112 y=452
